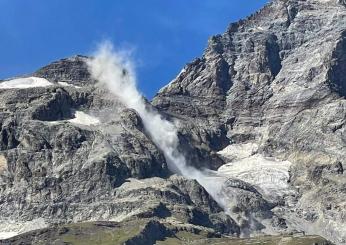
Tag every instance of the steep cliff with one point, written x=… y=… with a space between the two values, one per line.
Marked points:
x=275 y=81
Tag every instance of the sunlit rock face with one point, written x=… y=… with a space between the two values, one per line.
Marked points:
x=70 y=151
x=276 y=80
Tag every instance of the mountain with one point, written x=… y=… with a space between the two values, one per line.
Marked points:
x=274 y=86
x=263 y=108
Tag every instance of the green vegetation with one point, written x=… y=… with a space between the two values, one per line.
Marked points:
x=112 y=233
x=91 y=234
x=186 y=238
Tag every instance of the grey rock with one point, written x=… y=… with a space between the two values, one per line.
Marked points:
x=72 y=70
x=276 y=79
x=56 y=171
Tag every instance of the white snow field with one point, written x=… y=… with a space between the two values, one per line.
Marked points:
x=25 y=82
x=5 y=235
x=269 y=175
x=80 y=118
x=84 y=119
x=10 y=228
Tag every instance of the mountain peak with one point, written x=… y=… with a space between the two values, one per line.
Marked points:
x=72 y=70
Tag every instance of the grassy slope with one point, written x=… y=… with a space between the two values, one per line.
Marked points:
x=111 y=233
x=188 y=238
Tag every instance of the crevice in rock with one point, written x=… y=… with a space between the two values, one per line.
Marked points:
x=273 y=54
x=336 y=74
x=292 y=12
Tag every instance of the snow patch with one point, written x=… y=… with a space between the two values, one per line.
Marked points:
x=84 y=119
x=269 y=175
x=65 y=84
x=5 y=235
x=81 y=118
x=239 y=151
x=26 y=82
x=9 y=228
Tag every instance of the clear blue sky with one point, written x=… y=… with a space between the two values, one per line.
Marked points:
x=164 y=34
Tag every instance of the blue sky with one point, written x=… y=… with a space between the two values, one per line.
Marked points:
x=163 y=34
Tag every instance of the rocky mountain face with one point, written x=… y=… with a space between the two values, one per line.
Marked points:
x=276 y=80
x=70 y=152
x=264 y=107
